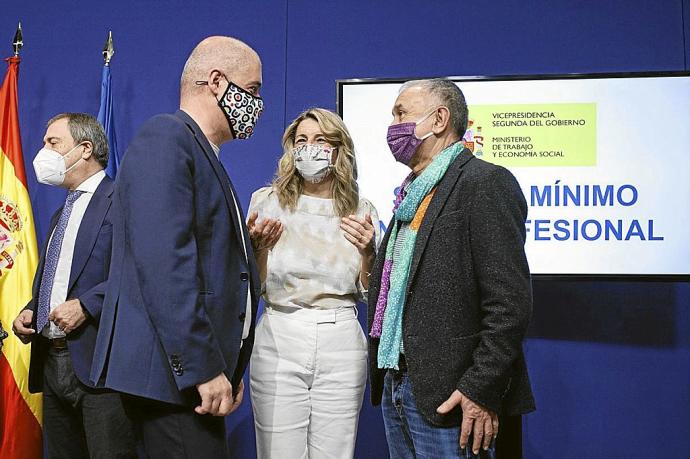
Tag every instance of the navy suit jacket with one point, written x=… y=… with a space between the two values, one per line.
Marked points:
x=176 y=301
x=87 y=280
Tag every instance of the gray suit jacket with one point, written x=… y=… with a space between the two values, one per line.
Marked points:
x=469 y=296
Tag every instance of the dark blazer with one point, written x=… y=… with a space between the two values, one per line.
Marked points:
x=87 y=280
x=176 y=301
x=469 y=296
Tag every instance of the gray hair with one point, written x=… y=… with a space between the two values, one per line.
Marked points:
x=446 y=93
x=86 y=128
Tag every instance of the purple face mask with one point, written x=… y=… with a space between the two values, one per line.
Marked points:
x=403 y=141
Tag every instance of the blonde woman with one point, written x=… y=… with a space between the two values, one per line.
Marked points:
x=314 y=239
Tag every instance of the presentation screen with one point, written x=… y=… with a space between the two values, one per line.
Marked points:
x=603 y=162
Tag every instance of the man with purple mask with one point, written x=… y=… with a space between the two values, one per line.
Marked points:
x=451 y=289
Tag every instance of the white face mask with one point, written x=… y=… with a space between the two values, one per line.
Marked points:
x=50 y=168
x=313 y=162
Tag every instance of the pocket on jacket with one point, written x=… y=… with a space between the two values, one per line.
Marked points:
x=465 y=337
x=454 y=218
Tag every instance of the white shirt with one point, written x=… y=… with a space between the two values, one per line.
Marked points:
x=58 y=294
x=248 y=312
x=312 y=266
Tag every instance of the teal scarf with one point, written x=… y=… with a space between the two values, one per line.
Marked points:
x=387 y=322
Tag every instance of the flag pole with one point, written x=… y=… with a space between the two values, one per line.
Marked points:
x=20 y=410
x=105 y=112
x=17 y=41
x=108 y=49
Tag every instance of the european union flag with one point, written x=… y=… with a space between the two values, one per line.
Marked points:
x=105 y=116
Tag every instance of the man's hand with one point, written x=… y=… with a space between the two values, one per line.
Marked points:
x=21 y=325
x=3 y=335
x=68 y=316
x=265 y=233
x=481 y=423
x=238 y=397
x=216 y=396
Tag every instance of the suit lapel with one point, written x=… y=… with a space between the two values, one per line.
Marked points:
x=444 y=189
x=90 y=227
x=231 y=199
x=53 y=223
x=218 y=169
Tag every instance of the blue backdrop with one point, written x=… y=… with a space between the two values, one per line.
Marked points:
x=610 y=361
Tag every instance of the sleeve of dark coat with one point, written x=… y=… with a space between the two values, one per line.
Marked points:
x=497 y=235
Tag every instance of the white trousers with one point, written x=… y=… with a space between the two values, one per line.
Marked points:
x=307 y=378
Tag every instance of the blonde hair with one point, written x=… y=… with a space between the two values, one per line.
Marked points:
x=288 y=184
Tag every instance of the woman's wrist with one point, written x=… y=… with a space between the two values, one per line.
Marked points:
x=368 y=252
x=367 y=262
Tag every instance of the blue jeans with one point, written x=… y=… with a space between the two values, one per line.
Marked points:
x=410 y=435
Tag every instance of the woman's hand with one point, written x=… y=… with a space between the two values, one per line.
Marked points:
x=265 y=233
x=360 y=232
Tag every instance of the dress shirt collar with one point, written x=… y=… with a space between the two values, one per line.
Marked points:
x=90 y=184
x=216 y=148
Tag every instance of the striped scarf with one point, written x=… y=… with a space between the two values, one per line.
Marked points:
x=411 y=209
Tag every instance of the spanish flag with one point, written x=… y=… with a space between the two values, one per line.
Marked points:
x=20 y=411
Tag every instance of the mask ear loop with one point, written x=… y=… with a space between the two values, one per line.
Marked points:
x=75 y=164
x=424 y=119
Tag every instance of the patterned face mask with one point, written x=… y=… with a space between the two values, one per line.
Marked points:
x=241 y=109
x=313 y=162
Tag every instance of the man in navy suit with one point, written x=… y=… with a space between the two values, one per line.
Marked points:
x=62 y=318
x=178 y=321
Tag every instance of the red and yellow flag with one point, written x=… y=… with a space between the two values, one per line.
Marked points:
x=20 y=411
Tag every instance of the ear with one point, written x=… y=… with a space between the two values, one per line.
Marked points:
x=87 y=149
x=216 y=82
x=441 y=119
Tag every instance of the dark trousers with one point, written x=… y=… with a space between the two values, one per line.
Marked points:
x=80 y=422
x=509 y=440
x=169 y=431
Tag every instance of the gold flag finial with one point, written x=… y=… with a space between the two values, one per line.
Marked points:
x=18 y=42
x=108 y=49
